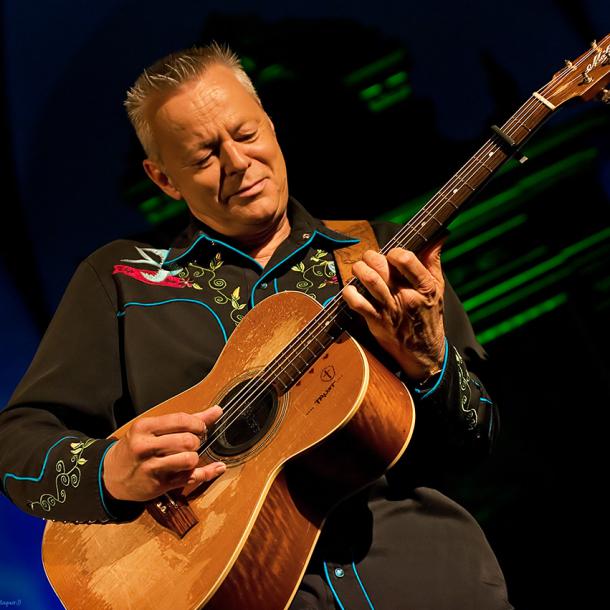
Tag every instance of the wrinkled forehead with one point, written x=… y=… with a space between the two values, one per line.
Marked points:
x=199 y=108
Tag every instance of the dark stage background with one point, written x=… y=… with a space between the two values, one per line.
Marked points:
x=376 y=103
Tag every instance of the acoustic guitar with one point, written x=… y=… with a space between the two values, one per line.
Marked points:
x=310 y=417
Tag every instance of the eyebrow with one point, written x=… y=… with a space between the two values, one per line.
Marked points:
x=209 y=144
x=190 y=153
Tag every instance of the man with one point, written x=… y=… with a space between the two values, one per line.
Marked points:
x=141 y=322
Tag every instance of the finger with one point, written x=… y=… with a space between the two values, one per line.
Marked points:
x=173 y=464
x=172 y=423
x=356 y=302
x=197 y=475
x=374 y=283
x=420 y=278
x=379 y=263
x=167 y=444
x=207 y=473
x=210 y=416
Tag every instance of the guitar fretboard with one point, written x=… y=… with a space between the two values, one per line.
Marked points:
x=421 y=230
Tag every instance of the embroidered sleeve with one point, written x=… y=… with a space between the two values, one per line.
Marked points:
x=460 y=400
x=53 y=431
x=62 y=483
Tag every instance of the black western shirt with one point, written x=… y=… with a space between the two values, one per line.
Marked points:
x=141 y=322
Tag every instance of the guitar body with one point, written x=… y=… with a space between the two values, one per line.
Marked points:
x=340 y=426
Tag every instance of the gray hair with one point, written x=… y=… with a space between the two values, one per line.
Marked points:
x=168 y=74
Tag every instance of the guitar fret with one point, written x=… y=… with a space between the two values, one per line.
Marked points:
x=296 y=368
x=489 y=169
x=303 y=359
x=448 y=199
x=523 y=125
x=466 y=183
x=433 y=217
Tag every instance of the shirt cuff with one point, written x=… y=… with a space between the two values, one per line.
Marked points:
x=431 y=385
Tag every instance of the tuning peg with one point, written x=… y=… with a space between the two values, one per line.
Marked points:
x=604 y=96
x=568 y=63
x=594 y=45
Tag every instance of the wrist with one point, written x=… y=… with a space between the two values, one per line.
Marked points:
x=422 y=368
x=110 y=485
x=427 y=385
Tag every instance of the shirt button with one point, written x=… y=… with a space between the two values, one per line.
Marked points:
x=339 y=572
x=264 y=285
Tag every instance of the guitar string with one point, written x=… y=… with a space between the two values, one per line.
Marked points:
x=329 y=310
x=324 y=317
x=337 y=300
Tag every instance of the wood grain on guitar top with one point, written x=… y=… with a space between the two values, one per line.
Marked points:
x=347 y=419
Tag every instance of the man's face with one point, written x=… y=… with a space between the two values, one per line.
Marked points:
x=217 y=150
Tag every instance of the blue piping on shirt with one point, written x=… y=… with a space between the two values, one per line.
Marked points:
x=440 y=377
x=491 y=417
x=99 y=481
x=330 y=584
x=44 y=465
x=134 y=303
x=366 y=595
x=327 y=300
x=213 y=241
x=306 y=244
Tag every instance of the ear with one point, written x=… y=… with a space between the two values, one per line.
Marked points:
x=161 y=179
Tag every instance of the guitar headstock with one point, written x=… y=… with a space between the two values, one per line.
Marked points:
x=586 y=77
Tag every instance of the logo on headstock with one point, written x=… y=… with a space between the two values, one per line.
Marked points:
x=599 y=59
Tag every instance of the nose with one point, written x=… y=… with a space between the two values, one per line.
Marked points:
x=234 y=159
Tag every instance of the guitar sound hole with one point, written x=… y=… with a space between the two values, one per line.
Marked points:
x=244 y=423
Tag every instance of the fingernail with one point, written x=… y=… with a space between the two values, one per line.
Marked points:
x=220 y=469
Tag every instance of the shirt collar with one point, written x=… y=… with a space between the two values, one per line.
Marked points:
x=198 y=236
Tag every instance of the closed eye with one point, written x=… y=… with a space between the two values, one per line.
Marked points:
x=245 y=137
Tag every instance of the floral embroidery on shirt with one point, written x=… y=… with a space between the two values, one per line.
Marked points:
x=465 y=391
x=316 y=275
x=193 y=272
x=65 y=478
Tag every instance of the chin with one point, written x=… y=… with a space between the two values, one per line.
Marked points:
x=261 y=210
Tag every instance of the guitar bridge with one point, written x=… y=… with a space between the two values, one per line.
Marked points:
x=172 y=511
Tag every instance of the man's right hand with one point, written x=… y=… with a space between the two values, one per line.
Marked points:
x=158 y=454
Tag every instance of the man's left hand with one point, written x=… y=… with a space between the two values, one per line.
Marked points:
x=405 y=313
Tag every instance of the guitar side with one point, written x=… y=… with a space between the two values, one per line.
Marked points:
x=249 y=519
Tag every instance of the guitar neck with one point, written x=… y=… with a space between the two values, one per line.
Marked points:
x=441 y=209
x=584 y=78
x=415 y=235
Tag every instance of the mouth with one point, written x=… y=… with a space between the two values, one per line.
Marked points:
x=252 y=189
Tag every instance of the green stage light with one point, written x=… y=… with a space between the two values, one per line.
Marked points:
x=523 y=318
x=373 y=68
